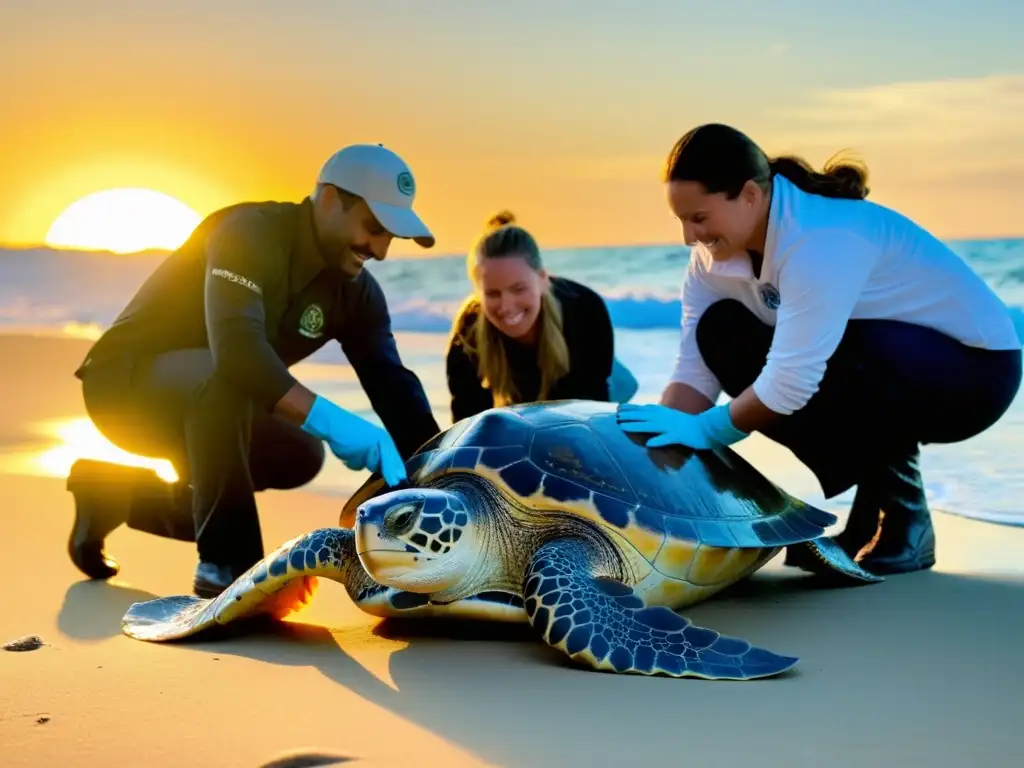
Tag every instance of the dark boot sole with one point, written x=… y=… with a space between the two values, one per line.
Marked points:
x=209 y=588
x=891 y=567
x=95 y=564
x=800 y=558
x=206 y=590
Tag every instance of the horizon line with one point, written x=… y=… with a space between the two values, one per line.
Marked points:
x=25 y=247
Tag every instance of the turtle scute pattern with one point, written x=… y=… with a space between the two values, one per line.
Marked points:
x=601 y=622
x=573 y=455
x=439 y=526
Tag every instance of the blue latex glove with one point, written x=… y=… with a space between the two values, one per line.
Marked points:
x=357 y=442
x=709 y=429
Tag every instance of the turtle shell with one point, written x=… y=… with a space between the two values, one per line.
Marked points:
x=572 y=456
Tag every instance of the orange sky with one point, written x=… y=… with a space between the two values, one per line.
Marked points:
x=563 y=116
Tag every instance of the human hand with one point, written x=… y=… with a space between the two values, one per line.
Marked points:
x=706 y=430
x=358 y=443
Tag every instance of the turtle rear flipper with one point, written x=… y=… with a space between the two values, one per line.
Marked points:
x=279 y=584
x=601 y=622
x=825 y=557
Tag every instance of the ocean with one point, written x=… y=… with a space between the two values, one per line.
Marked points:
x=73 y=293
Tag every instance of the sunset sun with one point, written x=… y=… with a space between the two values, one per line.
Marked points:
x=123 y=221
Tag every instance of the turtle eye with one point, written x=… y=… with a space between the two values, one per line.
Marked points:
x=400 y=519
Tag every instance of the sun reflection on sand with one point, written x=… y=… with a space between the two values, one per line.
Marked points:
x=78 y=439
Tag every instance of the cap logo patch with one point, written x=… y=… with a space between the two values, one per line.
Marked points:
x=405 y=183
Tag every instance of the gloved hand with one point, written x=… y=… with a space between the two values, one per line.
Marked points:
x=357 y=442
x=709 y=429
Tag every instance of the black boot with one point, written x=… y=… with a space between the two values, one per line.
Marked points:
x=904 y=540
x=862 y=523
x=211 y=579
x=108 y=495
x=861 y=530
x=889 y=529
x=102 y=492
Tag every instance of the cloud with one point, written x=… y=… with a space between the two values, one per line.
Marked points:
x=931 y=110
x=912 y=134
x=958 y=126
x=949 y=153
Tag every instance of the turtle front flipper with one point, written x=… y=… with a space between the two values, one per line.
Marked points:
x=600 y=621
x=825 y=557
x=279 y=584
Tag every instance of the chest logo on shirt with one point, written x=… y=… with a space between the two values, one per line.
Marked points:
x=770 y=296
x=311 y=324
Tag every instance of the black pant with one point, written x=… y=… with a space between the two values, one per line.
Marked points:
x=889 y=387
x=175 y=407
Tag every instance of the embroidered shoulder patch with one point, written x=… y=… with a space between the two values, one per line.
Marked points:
x=234 y=278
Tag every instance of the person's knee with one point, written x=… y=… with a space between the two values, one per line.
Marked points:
x=113 y=411
x=719 y=323
x=727 y=333
x=294 y=459
x=308 y=460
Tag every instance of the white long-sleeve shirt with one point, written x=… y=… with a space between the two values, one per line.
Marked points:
x=827 y=261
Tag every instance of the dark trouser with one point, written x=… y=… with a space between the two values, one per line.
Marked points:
x=889 y=387
x=175 y=407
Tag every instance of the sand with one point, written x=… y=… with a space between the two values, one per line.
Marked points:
x=922 y=670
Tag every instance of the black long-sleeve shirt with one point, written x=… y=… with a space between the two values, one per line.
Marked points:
x=251 y=286
x=589 y=338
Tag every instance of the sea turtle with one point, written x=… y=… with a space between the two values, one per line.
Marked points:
x=552 y=514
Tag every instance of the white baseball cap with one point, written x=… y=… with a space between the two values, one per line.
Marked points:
x=385 y=181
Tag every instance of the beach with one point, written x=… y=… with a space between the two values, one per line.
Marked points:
x=921 y=670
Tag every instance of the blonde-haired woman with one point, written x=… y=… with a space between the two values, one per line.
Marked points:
x=524 y=335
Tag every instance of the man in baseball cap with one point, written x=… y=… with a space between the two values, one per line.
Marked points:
x=363 y=198
x=197 y=369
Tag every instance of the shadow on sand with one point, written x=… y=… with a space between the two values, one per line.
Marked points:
x=92 y=610
x=869 y=656
x=306 y=760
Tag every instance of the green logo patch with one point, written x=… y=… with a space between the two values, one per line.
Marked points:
x=311 y=324
x=405 y=183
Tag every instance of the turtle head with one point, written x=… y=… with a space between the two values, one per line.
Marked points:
x=416 y=539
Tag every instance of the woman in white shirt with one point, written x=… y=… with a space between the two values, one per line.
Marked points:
x=839 y=328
